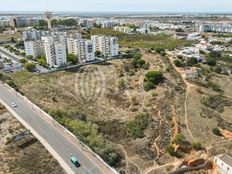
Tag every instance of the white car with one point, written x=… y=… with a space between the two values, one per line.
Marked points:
x=14 y=105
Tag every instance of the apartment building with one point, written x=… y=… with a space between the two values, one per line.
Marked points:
x=4 y=23
x=107 y=45
x=126 y=30
x=31 y=35
x=55 y=54
x=85 y=50
x=34 y=48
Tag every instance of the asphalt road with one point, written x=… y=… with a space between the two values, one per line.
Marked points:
x=64 y=147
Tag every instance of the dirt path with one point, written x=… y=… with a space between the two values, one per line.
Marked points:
x=128 y=160
x=174 y=121
x=189 y=87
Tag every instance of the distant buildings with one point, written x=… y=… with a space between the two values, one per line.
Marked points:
x=224 y=163
x=222 y=28
x=22 y=21
x=122 y=29
x=4 y=23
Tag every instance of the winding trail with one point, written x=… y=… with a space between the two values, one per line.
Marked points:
x=189 y=87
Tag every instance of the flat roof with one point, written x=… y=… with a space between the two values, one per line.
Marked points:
x=226 y=158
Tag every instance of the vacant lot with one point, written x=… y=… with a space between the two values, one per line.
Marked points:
x=95 y=90
x=27 y=156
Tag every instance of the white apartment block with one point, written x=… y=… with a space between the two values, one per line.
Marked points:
x=107 y=45
x=223 y=28
x=34 y=48
x=31 y=35
x=85 y=50
x=126 y=30
x=55 y=54
x=4 y=23
x=224 y=163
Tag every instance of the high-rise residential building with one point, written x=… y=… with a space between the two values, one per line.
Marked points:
x=85 y=50
x=55 y=54
x=34 y=48
x=31 y=35
x=107 y=45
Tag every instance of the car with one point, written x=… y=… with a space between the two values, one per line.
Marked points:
x=14 y=105
x=75 y=161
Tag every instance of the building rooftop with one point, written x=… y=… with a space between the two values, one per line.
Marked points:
x=226 y=158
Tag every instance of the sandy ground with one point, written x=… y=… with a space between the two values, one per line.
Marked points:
x=25 y=157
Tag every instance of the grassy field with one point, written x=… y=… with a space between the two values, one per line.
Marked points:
x=159 y=41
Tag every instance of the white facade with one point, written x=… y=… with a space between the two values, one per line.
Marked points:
x=4 y=23
x=224 y=163
x=224 y=28
x=85 y=50
x=55 y=54
x=107 y=45
x=31 y=35
x=34 y=48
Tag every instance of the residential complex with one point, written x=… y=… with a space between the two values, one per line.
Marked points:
x=34 y=48
x=55 y=54
x=223 y=28
x=108 y=46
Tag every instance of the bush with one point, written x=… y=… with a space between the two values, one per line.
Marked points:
x=197 y=146
x=171 y=150
x=211 y=62
x=29 y=66
x=155 y=77
x=179 y=139
x=23 y=61
x=88 y=133
x=148 y=85
x=216 y=131
x=178 y=63
x=137 y=126
x=192 y=61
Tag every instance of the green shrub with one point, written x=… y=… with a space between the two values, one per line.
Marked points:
x=197 y=146
x=216 y=131
x=137 y=126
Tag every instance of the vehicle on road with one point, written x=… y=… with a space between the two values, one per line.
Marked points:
x=75 y=161
x=14 y=104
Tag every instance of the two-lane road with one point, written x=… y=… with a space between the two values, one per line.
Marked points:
x=50 y=133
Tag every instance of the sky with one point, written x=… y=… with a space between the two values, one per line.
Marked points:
x=118 y=5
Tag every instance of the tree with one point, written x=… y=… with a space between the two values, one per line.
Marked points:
x=155 y=77
x=215 y=54
x=98 y=53
x=29 y=57
x=12 y=40
x=179 y=30
x=29 y=66
x=192 y=61
x=23 y=61
x=178 y=63
x=72 y=58
x=211 y=62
